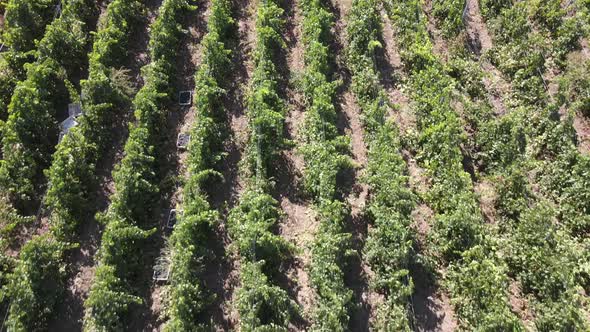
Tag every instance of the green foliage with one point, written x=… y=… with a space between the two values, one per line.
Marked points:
x=30 y=133
x=574 y=86
x=262 y=306
x=323 y=149
x=266 y=109
x=71 y=178
x=478 y=283
x=72 y=171
x=107 y=301
x=136 y=179
x=567 y=38
x=538 y=254
x=543 y=230
x=331 y=248
x=188 y=297
x=25 y=22
x=551 y=135
x=7 y=264
x=324 y=152
x=513 y=193
x=262 y=252
x=523 y=62
x=562 y=315
x=520 y=53
x=250 y=224
x=468 y=74
x=567 y=180
x=364 y=33
x=36 y=285
x=416 y=48
x=492 y=8
x=457 y=229
x=10 y=223
x=111 y=39
x=512 y=25
x=449 y=14
x=66 y=38
x=389 y=245
x=478 y=287
x=540 y=238
x=548 y=13
x=502 y=141
x=31 y=130
x=545 y=261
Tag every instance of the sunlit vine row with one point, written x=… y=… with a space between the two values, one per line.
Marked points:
x=476 y=277
x=41 y=260
x=31 y=130
x=261 y=302
x=188 y=298
x=325 y=155
x=25 y=22
x=544 y=255
x=131 y=212
x=389 y=247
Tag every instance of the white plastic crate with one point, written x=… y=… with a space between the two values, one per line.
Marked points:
x=183 y=141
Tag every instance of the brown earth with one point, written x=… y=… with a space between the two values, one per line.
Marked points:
x=392 y=77
x=582 y=127
x=422 y=216
x=479 y=39
x=520 y=304
x=585 y=48
x=299 y=225
x=487 y=198
x=581 y=122
x=441 y=48
x=359 y=273
x=430 y=304
x=226 y=277
x=476 y=28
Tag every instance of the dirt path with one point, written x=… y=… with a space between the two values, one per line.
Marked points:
x=359 y=273
x=299 y=225
x=350 y=120
x=392 y=77
x=440 y=44
x=497 y=88
x=224 y=279
x=476 y=28
x=585 y=48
